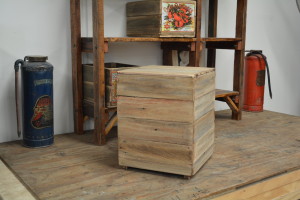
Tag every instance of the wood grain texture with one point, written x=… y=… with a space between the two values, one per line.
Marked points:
x=238 y=82
x=165 y=131
x=157 y=156
x=155 y=130
x=203 y=105
x=279 y=186
x=100 y=116
x=165 y=109
x=203 y=144
x=156 y=109
x=248 y=151
x=152 y=111
x=76 y=65
x=225 y=93
x=139 y=8
x=144 y=26
x=87 y=41
x=168 y=82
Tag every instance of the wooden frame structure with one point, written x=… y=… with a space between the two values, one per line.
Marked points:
x=98 y=45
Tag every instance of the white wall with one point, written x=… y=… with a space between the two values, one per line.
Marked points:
x=35 y=27
x=43 y=27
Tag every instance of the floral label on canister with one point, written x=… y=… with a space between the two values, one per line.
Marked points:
x=178 y=17
x=43 y=113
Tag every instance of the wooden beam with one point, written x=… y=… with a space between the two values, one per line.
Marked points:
x=277 y=186
x=195 y=56
x=100 y=116
x=212 y=31
x=238 y=84
x=76 y=66
x=113 y=120
x=87 y=45
x=231 y=104
x=236 y=45
x=182 y=46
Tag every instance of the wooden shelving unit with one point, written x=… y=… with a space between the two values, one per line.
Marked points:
x=98 y=45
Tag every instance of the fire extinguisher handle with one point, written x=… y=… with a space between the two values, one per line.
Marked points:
x=17 y=67
x=259 y=52
x=18 y=63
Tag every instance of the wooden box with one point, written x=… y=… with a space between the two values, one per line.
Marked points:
x=161 y=18
x=111 y=70
x=166 y=118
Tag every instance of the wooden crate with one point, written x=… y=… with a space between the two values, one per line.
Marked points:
x=111 y=70
x=166 y=118
x=161 y=18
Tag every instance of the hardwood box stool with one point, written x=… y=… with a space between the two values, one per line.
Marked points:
x=166 y=118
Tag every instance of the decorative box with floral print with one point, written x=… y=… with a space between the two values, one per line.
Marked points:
x=161 y=18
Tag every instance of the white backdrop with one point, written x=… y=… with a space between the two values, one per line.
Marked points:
x=43 y=27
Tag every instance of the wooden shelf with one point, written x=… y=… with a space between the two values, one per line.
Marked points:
x=216 y=43
x=213 y=39
x=193 y=45
x=146 y=39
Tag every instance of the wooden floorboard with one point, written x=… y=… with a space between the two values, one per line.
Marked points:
x=260 y=146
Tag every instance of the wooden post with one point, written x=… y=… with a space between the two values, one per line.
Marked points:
x=212 y=31
x=195 y=56
x=100 y=116
x=167 y=57
x=241 y=17
x=76 y=66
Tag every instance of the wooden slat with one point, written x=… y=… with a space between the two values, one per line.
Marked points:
x=264 y=189
x=11 y=187
x=87 y=42
x=231 y=104
x=100 y=116
x=156 y=109
x=236 y=45
x=166 y=82
x=165 y=131
x=76 y=66
x=113 y=120
x=225 y=93
x=214 y=39
x=156 y=130
x=171 y=158
x=145 y=39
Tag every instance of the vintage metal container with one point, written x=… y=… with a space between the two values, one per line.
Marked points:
x=37 y=101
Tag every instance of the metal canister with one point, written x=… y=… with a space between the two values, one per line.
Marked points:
x=37 y=101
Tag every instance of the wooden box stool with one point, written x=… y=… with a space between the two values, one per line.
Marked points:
x=166 y=118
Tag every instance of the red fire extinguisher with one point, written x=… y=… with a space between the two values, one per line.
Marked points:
x=256 y=66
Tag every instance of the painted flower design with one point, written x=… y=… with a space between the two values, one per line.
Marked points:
x=178 y=16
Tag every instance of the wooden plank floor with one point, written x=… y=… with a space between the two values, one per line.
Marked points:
x=260 y=146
